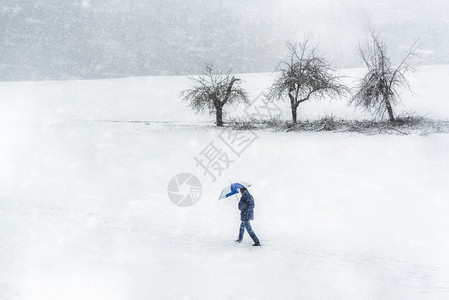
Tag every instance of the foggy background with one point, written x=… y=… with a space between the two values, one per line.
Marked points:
x=71 y=39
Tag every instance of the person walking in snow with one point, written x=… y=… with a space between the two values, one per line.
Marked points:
x=246 y=207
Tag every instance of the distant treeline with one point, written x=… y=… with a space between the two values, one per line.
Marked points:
x=55 y=39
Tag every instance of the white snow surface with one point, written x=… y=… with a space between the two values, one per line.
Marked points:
x=84 y=210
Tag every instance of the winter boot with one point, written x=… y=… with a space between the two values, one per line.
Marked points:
x=256 y=244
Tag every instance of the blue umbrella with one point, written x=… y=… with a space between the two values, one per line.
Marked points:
x=233 y=189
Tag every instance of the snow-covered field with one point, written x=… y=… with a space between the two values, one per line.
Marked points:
x=84 y=210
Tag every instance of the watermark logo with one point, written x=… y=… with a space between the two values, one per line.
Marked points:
x=184 y=189
x=220 y=153
x=214 y=159
x=262 y=108
x=237 y=141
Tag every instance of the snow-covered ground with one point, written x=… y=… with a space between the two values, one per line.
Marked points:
x=84 y=210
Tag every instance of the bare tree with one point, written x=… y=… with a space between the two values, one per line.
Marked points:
x=379 y=89
x=212 y=91
x=304 y=75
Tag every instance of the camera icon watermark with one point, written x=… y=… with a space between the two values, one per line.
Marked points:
x=184 y=189
x=218 y=155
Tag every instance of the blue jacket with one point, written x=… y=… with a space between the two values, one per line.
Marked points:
x=246 y=207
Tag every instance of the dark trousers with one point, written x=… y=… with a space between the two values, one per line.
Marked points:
x=247 y=225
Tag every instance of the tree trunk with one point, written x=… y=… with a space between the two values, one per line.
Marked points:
x=294 y=114
x=292 y=104
x=389 y=109
x=219 y=115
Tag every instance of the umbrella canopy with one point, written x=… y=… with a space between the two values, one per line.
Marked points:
x=233 y=189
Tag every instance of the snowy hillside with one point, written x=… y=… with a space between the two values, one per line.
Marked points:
x=156 y=98
x=84 y=210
